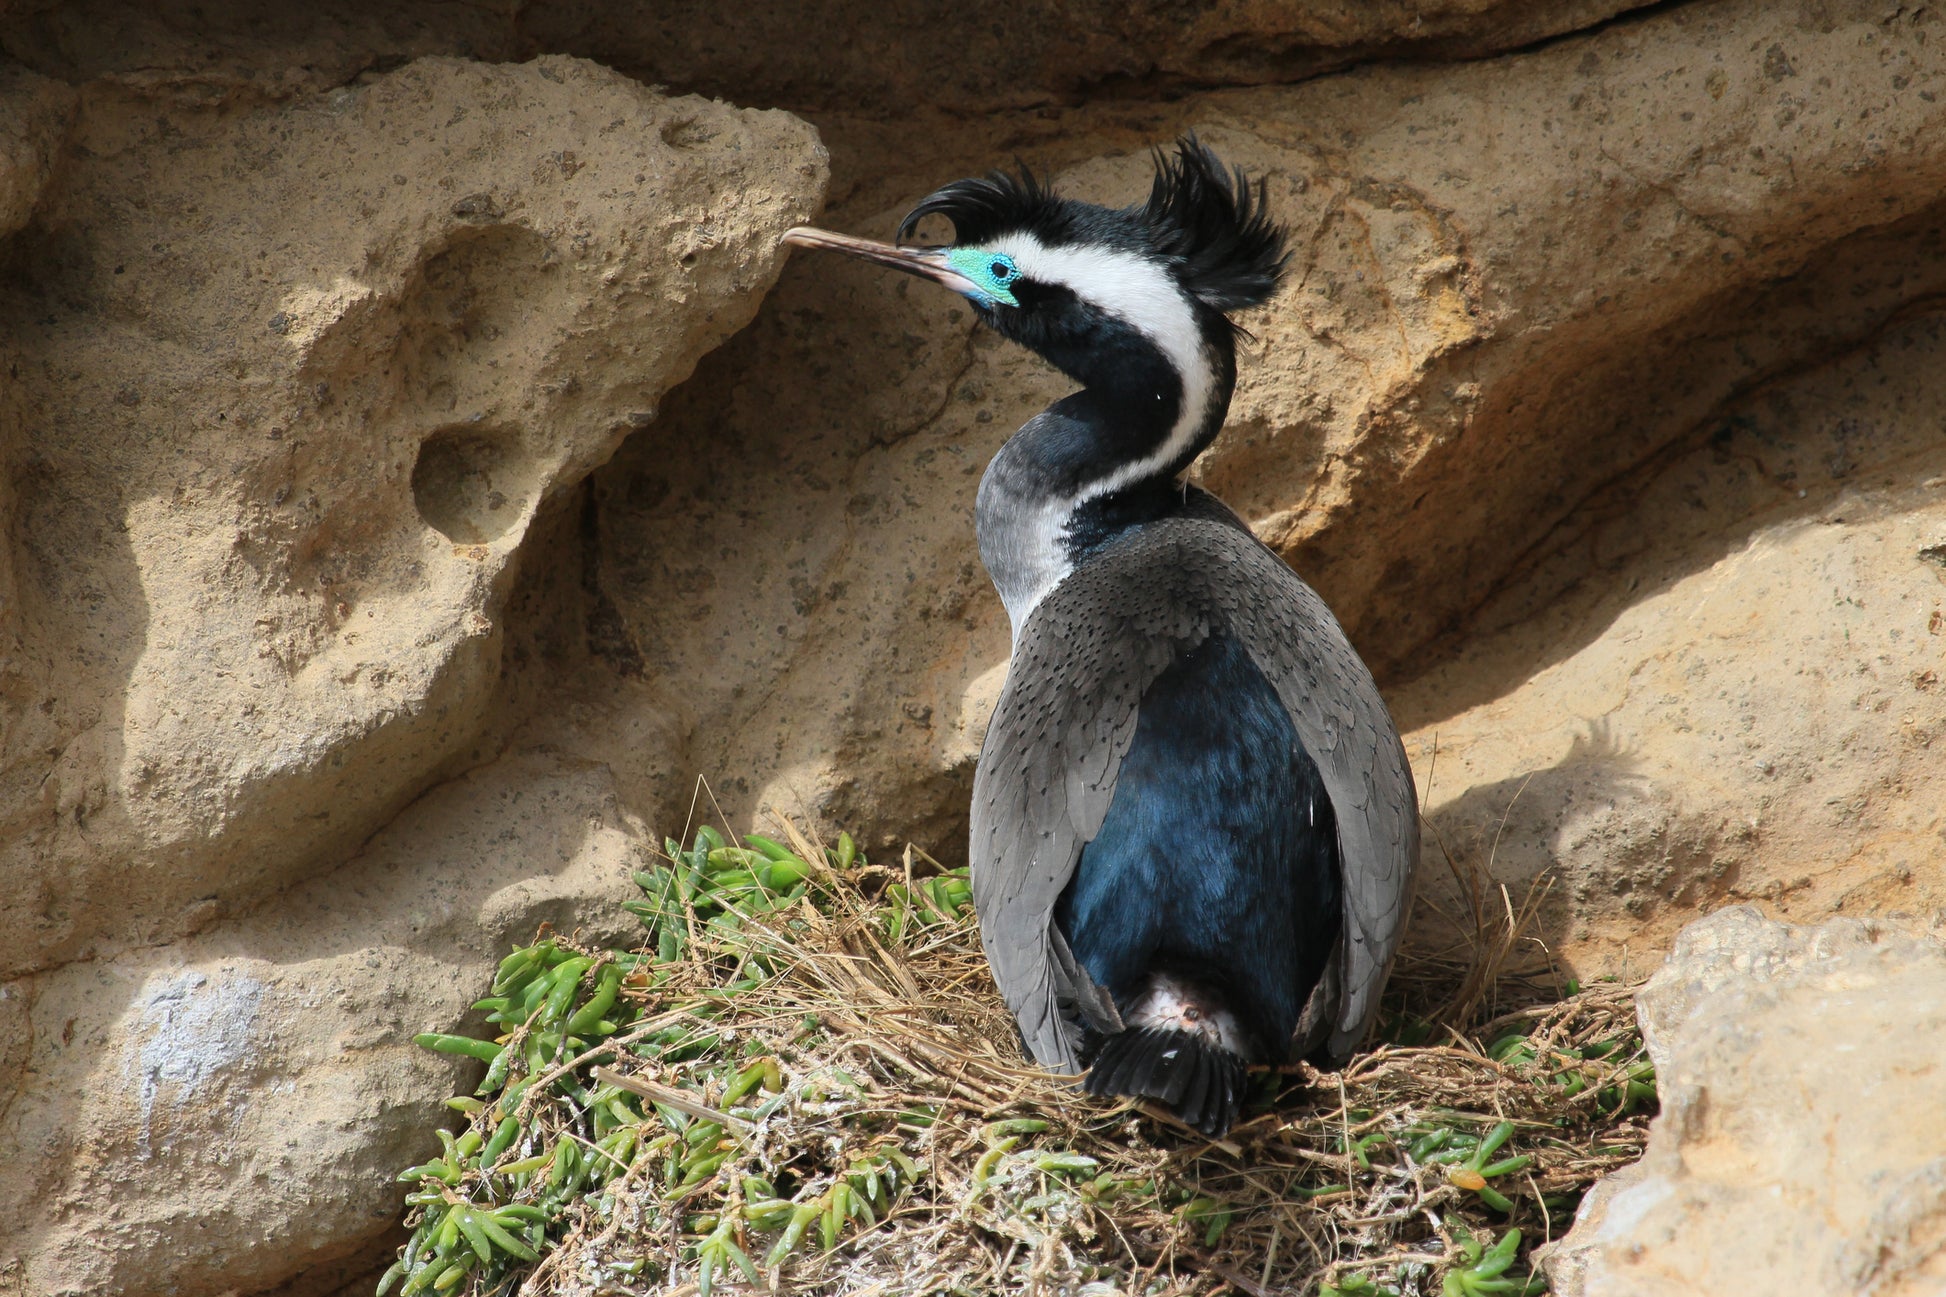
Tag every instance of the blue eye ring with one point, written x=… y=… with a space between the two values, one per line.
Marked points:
x=989 y=275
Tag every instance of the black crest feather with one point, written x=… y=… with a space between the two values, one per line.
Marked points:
x=1215 y=225
x=992 y=204
x=1207 y=220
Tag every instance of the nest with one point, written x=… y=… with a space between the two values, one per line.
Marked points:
x=812 y=1087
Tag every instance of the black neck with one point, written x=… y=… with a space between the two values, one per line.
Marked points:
x=1100 y=461
x=1093 y=523
x=1132 y=394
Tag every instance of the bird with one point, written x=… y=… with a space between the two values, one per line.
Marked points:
x=1193 y=826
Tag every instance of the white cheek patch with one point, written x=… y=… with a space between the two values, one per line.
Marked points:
x=1143 y=293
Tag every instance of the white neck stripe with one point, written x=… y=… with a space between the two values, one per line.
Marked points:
x=1141 y=292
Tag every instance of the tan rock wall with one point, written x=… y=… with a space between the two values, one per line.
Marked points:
x=815 y=56
x=1736 y=695
x=336 y=652
x=289 y=382
x=293 y=381
x=222 y=1113
x=1801 y=1147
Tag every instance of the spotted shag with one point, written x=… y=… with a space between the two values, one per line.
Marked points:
x=1193 y=824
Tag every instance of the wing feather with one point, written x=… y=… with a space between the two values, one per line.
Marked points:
x=1067 y=715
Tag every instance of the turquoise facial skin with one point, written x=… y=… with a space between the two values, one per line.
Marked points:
x=990 y=273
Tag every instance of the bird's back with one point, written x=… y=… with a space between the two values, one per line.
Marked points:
x=1190 y=782
x=1216 y=868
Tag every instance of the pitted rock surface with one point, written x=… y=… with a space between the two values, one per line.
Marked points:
x=293 y=383
x=1801 y=1147
x=289 y=383
x=365 y=520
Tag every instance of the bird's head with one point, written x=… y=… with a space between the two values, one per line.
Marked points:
x=1128 y=301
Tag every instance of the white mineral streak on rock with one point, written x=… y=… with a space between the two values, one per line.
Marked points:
x=186 y=1031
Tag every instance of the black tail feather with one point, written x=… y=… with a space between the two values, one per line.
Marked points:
x=1196 y=1094
x=1202 y=1083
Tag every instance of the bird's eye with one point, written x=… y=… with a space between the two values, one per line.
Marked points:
x=1001 y=270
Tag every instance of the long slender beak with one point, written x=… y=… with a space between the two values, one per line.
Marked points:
x=927 y=263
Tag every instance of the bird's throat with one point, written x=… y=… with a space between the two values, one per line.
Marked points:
x=1086 y=469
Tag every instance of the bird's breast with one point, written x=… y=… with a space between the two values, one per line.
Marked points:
x=1023 y=544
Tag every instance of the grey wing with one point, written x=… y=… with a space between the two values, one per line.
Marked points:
x=1342 y=719
x=1046 y=776
x=1067 y=715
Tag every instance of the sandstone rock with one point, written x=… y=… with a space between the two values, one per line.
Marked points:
x=1715 y=678
x=227 y=1111
x=1519 y=284
x=891 y=58
x=294 y=380
x=1801 y=1146
x=35 y=113
x=833 y=56
x=247 y=50
x=289 y=382
x=1735 y=697
x=1722 y=682
x=1562 y=241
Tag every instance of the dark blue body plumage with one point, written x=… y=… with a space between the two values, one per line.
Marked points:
x=1218 y=859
